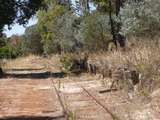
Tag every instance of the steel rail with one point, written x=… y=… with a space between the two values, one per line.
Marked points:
x=100 y=104
x=60 y=100
x=65 y=112
x=114 y=117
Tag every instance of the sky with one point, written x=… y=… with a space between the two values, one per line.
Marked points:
x=19 y=29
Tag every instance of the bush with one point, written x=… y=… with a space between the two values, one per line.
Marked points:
x=8 y=52
x=73 y=63
x=3 y=40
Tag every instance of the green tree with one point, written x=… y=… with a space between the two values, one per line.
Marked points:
x=57 y=27
x=31 y=43
x=19 y=11
x=46 y=20
x=141 y=18
x=112 y=8
x=95 y=32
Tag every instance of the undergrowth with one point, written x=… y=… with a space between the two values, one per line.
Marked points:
x=143 y=56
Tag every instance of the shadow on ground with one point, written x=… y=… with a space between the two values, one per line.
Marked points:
x=33 y=118
x=24 y=69
x=35 y=75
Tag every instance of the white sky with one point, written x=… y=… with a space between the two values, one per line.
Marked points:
x=19 y=29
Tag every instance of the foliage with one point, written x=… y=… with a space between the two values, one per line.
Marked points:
x=15 y=42
x=73 y=63
x=7 y=47
x=102 y=5
x=65 y=32
x=67 y=62
x=8 y=51
x=3 y=40
x=141 y=18
x=94 y=31
x=58 y=27
x=7 y=6
x=17 y=11
x=45 y=23
x=31 y=43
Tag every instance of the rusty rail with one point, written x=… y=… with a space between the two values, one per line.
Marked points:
x=61 y=101
x=114 y=117
x=100 y=104
x=65 y=112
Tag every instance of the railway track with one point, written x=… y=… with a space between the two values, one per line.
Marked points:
x=61 y=100
x=94 y=99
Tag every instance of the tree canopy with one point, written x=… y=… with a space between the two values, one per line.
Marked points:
x=73 y=25
x=19 y=11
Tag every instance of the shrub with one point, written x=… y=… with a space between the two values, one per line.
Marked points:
x=8 y=52
x=3 y=40
x=73 y=63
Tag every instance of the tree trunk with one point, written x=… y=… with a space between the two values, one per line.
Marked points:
x=119 y=4
x=85 y=6
x=1 y=72
x=112 y=23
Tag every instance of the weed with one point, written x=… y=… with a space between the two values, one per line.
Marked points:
x=72 y=115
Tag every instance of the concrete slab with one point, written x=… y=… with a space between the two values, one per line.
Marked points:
x=29 y=99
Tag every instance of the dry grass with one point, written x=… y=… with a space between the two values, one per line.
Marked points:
x=143 y=56
x=33 y=62
x=23 y=62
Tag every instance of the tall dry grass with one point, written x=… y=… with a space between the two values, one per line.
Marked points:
x=144 y=56
x=22 y=62
x=33 y=62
